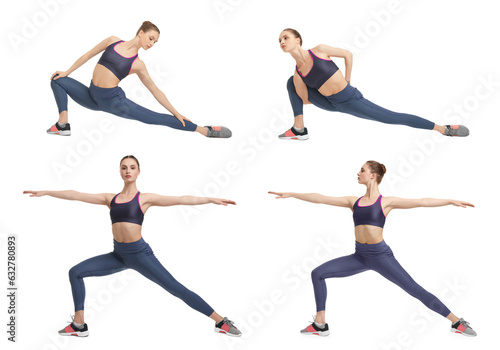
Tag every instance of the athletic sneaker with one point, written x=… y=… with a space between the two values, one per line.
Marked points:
x=72 y=329
x=227 y=327
x=218 y=132
x=456 y=130
x=313 y=329
x=463 y=327
x=58 y=130
x=292 y=134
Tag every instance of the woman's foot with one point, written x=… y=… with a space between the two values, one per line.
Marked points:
x=227 y=327
x=218 y=132
x=75 y=330
x=463 y=327
x=316 y=329
x=456 y=130
x=295 y=134
x=60 y=129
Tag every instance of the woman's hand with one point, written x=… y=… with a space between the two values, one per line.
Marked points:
x=220 y=201
x=58 y=75
x=181 y=118
x=35 y=193
x=462 y=204
x=281 y=194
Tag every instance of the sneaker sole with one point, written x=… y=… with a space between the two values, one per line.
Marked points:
x=76 y=334
x=61 y=133
x=298 y=137
x=453 y=330
x=218 y=330
x=321 y=334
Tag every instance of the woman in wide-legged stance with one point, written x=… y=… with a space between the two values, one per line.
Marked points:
x=127 y=210
x=120 y=58
x=318 y=80
x=372 y=253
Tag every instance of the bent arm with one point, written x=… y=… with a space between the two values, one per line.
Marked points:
x=87 y=56
x=142 y=72
x=403 y=203
x=342 y=53
x=346 y=202
x=99 y=198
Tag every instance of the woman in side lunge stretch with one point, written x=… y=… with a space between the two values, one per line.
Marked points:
x=318 y=80
x=120 y=59
x=127 y=210
x=372 y=253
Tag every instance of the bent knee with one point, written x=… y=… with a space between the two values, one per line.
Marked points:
x=315 y=274
x=289 y=84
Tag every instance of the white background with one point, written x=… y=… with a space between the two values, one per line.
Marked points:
x=223 y=66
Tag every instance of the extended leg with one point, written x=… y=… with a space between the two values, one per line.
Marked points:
x=390 y=268
x=366 y=109
x=149 y=266
x=125 y=108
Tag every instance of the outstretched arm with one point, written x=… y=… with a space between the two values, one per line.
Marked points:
x=403 y=203
x=346 y=202
x=336 y=52
x=151 y=199
x=87 y=56
x=142 y=72
x=99 y=198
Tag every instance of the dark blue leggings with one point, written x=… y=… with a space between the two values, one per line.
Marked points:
x=351 y=101
x=377 y=257
x=139 y=257
x=111 y=100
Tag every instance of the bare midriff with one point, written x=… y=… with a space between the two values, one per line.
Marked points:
x=104 y=78
x=126 y=232
x=333 y=85
x=368 y=234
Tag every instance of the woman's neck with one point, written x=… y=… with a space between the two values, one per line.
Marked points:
x=129 y=188
x=133 y=44
x=299 y=55
x=372 y=190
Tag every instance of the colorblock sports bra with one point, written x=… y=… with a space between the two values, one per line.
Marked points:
x=126 y=212
x=116 y=63
x=320 y=72
x=370 y=214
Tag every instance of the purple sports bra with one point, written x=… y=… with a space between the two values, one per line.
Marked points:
x=370 y=214
x=126 y=212
x=116 y=63
x=320 y=72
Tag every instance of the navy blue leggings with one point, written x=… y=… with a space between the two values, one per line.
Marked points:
x=351 y=101
x=111 y=100
x=377 y=257
x=139 y=257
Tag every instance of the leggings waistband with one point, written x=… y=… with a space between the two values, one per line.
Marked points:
x=132 y=247
x=343 y=95
x=371 y=248
x=104 y=93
